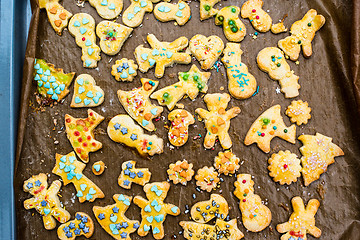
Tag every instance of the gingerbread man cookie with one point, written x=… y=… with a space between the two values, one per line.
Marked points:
x=215 y=207
x=107 y=9
x=272 y=61
x=86 y=92
x=284 y=167
x=58 y=16
x=80 y=133
x=124 y=70
x=113 y=220
x=298 y=112
x=161 y=54
x=134 y=14
x=268 y=125
x=226 y=163
x=130 y=174
x=217 y=119
x=71 y=171
x=242 y=84
x=81 y=225
x=180 y=172
x=82 y=27
x=234 y=28
x=123 y=129
x=45 y=200
x=179 y=12
x=154 y=210
x=190 y=83
x=207 y=9
x=179 y=129
x=302 y=33
x=138 y=105
x=252 y=9
x=255 y=215
x=301 y=222
x=207 y=178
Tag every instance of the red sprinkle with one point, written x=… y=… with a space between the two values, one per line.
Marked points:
x=78 y=150
x=76 y=133
x=94 y=144
x=262 y=134
x=68 y=120
x=243 y=181
x=244 y=200
x=80 y=139
x=88 y=137
x=91 y=114
x=285 y=166
x=257 y=17
x=254 y=10
x=85 y=144
x=83 y=39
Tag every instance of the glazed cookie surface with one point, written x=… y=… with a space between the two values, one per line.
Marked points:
x=234 y=29
x=180 y=172
x=226 y=163
x=284 y=167
x=86 y=92
x=179 y=12
x=124 y=70
x=130 y=174
x=81 y=225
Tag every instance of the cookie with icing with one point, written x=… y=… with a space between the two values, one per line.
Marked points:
x=86 y=92
x=180 y=172
x=130 y=174
x=179 y=12
x=81 y=225
x=124 y=70
x=261 y=20
x=207 y=178
x=226 y=163
x=234 y=29
x=215 y=207
x=98 y=168
x=179 y=128
x=107 y=9
x=58 y=16
x=298 y=112
x=284 y=167
x=134 y=14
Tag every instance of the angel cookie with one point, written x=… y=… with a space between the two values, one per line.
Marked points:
x=82 y=27
x=123 y=129
x=86 y=92
x=302 y=34
x=226 y=163
x=215 y=207
x=179 y=12
x=107 y=9
x=113 y=220
x=45 y=200
x=217 y=119
x=272 y=61
x=255 y=215
x=207 y=9
x=58 y=16
x=207 y=178
x=180 y=172
x=284 y=167
x=234 y=28
x=52 y=83
x=179 y=129
x=81 y=225
x=71 y=171
x=298 y=112
x=206 y=49
x=318 y=153
x=252 y=9
x=301 y=222
x=161 y=54
x=112 y=36
x=124 y=70
x=242 y=84
x=130 y=174
x=190 y=84
x=80 y=133
x=138 y=105
x=268 y=125
x=134 y=14
x=154 y=210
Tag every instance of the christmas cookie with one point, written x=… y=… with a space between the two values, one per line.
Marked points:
x=138 y=105
x=179 y=129
x=134 y=14
x=278 y=27
x=318 y=153
x=130 y=174
x=215 y=207
x=284 y=167
x=80 y=133
x=255 y=215
x=71 y=171
x=81 y=225
x=45 y=200
x=226 y=163
x=58 y=16
x=234 y=28
x=124 y=70
x=242 y=84
x=268 y=125
x=112 y=36
x=302 y=33
x=86 y=92
x=206 y=49
x=82 y=27
x=123 y=129
x=190 y=83
x=298 y=112
x=98 y=168
x=207 y=9
x=272 y=61
x=301 y=222
x=252 y=9
x=52 y=83
x=161 y=54
x=207 y=178
x=154 y=210
x=179 y=12
x=217 y=119
x=113 y=220
x=107 y=9
x=180 y=172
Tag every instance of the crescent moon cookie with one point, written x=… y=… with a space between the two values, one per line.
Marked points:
x=226 y=163
x=207 y=178
x=179 y=129
x=242 y=84
x=252 y=9
x=122 y=129
x=255 y=215
x=124 y=70
x=217 y=119
x=215 y=207
x=234 y=28
x=302 y=34
x=207 y=9
x=298 y=112
x=284 y=167
x=134 y=14
x=86 y=92
x=161 y=54
x=130 y=174
x=107 y=9
x=180 y=172
x=179 y=12
x=81 y=225
x=58 y=16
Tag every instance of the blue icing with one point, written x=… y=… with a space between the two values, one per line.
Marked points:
x=62 y=87
x=89 y=94
x=104 y=3
x=63 y=159
x=144 y=56
x=87 y=63
x=55 y=85
x=167 y=9
x=154 y=111
x=137 y=9
x=80 y=81
x=151 y=62
x=132 y=71
x=161 y=8
x=155 y=52
x=37 y=66
x=143 y=4
x=147 y=208
x=50 y=91
x=47 y=85
x=81 y=90
x=44 y=78
x=179 y=14
x=40 y=71
x=47 y=72
x=155 y=230
x=40 y=83
x=174 y=209
x=169 y=54
x=88 y=43
x=77 y=100
x=145 y=122
x=57 y=90
x=90 y=51
x=112 y=6
x=52 y=79
x=87 y=101
x=85 y=21
x=83 y=187
x=159 y=218
x=83 y=30
x=181 y=6
x=54 y=96
x=76 y=24
x=37 y=77
x=124 y=75
x=130 y=16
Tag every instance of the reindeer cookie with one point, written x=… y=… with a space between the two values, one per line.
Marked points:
x=134 y=14
x=180 y=172
x=161 y=54
x=180 y=121
x=226 y=163
x=179 y=12
x=58 y=16
x=217 y=119
x=130 y=174
x=206 y=49
x=234 y=28
x=138 y=105
x=207 y=178
x=81 y=225
x=207 y=9
x=301 y=222
x=242 y=84
x=82 y=27
x=107 y=9
x=252 y=9
x=154 y=210
x=71 y=171
x=124 y=70
x=272 y=61
x=255 y=215
x=122 y=129
x=302 y=33
x=284 y=167
x=215 y=207
x=45 y=200
x=86 y=92
x=298 y=112
x=268 y=125
x=112 y=36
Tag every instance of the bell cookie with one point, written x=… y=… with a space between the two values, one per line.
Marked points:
x=130 y=174
x=134 y=14
x=226 y=163
x=207 y=9
x=261 y=20
x=81 y=225
x=180 y=172
x=98 y=168
x=207 y=178
x=107 y=9
x=284 y=167
x=215 y=207
x=179 y=128
x=179 y=12
x=234 y=29
x=124 y=70
x=298 y=112
x=58 y=16
x=86 y=92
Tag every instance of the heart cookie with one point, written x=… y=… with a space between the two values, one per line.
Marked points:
x=86 y=92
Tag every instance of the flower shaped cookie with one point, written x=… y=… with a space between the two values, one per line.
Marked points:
x=180 y=172
x=226 y=162
x=298 y=112
x=207 y=178
x=284 y=167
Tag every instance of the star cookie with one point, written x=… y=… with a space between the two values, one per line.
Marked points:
x=226 y=163
x=130 y=174
x=207 y=178
x=298 y=112
x=86 y=92
x=180 y=172
x=284 y=167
